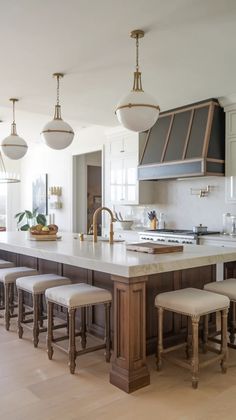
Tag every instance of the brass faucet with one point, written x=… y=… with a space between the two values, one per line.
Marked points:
x=95 y=226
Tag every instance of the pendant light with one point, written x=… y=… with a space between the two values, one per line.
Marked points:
x=6 y=177
x=13 y=146
x=57 y=134
x=138 y=111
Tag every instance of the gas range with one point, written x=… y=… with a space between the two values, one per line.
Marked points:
x=179 y=236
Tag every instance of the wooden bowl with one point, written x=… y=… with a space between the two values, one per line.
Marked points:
x=40 y=232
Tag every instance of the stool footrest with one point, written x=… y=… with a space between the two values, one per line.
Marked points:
x=90 y=349
x=211 y=360
x=169 y=349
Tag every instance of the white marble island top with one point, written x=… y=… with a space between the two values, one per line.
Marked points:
x=113 y=259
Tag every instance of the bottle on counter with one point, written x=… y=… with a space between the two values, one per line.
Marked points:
x=226 y=224
x=161 y=224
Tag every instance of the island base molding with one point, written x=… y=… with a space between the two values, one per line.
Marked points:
x=129 y=381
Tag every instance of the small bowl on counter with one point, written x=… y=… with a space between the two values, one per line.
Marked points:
x=124 y=224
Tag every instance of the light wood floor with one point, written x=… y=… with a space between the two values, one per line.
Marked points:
x=34 y=388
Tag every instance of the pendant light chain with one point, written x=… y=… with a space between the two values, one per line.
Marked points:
x=137 y=53
x=58 y=90
x=13 y=125
x=137 y=86
x=13 y=111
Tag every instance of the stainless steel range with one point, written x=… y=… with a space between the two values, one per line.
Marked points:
x=173 y=236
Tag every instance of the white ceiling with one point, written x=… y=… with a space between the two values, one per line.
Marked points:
x=188 y=53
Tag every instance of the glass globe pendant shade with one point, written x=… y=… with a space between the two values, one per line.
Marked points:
x=57 y=134
x=138 y=111
x=14 y=147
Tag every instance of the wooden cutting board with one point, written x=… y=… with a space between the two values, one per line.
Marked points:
x=153 y=248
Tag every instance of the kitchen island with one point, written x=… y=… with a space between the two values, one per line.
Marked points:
x=134 y=279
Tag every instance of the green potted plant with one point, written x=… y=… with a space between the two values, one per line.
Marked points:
x=27 y=219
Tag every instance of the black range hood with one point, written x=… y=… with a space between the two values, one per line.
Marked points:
x=185 y=142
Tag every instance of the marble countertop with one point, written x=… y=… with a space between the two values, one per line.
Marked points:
x=220 y=237
x=113 y=259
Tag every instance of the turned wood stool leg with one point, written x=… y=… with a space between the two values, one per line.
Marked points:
x=195 y=357
x=35 y=319
x=224 y=347
x=205 y=333
x=189 y=338
x=40 y=306
x=50 y=330
x=232 y=322
x=7 y=311
x=83 y=327
x=108 y=331
x=20 y=313
x=11 y=298
x=72 y=349
x=159 y=337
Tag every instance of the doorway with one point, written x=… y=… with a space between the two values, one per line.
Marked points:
x=87 y=191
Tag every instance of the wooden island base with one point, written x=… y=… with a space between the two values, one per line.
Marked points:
x=134 y=320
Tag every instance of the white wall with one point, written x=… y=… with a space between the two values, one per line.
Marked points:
x=182 y=209
x=58 y=165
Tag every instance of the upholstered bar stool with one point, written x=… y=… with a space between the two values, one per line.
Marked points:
x=193 y=303
x=36 y=287
x=3 y=264
x=8 y=278
x=227 y=288
x=73 y=297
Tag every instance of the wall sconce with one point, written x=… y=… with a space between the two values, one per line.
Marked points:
x=54 y=194
x=201 y=192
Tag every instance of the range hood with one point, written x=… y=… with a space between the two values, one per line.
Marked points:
x=185 y=142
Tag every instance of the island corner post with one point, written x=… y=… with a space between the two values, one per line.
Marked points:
x=129 y=370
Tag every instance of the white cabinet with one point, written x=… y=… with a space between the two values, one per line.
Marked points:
x=219 y=241
x=121 y=163
x=230 y=161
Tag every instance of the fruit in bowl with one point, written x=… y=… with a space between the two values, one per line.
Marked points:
x=44 y=230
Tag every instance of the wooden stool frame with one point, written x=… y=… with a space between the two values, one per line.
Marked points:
x=231 y=327
x=8 y=302
x=72 y=351
x=38 y=316
x=194 y=365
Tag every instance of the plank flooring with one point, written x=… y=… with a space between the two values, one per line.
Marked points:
x=34 y=388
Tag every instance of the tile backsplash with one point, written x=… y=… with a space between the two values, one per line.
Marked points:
x=181 y=208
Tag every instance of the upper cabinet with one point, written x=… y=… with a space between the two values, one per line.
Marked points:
x=187 y=141
x=230 y=154
x=121 y=161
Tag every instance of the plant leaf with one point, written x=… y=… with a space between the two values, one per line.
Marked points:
x=29 y=215
x=35 y=212
x=21 y=217
x=18 y=214
x=25 y=227
x=41 y=219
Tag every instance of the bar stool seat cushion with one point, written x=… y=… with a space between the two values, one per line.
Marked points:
x=6 y=264
x=76 y=295
x=192 y=302
x=9 y=275
x=38 y=284
x=224 y=287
